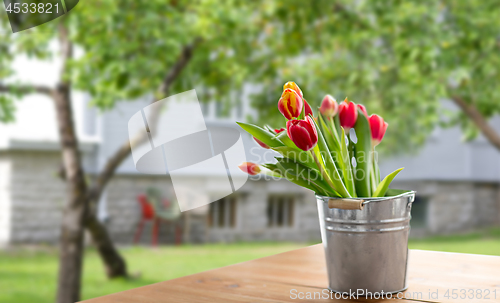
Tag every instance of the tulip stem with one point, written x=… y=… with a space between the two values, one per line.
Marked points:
x=322 y=171
x=334 y=129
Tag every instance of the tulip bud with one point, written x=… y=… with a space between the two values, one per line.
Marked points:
x=378 y=128
x=290 y=104
x=303 y=133
x=307 y=108
x=264 y=145
x=329 y=106
x=293 y=86
x=250 y=168
x=363 y=109
x=348 y=114
x=279 y=130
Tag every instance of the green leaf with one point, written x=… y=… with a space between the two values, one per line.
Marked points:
x=297 y=155
x=283 y=137
x=299 y=181
x=271 y=170
x=331 y=169
x=384 y=185
x=346 y=166
x=362 y=149
x=261 y=134
x=269 y=129
x=331 y=139
x=308 y=174
x=336 y=121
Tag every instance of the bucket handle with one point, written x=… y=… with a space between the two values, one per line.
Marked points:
x=346 y=203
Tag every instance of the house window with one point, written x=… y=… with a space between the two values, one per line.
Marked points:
x=419 y=212
x=223 y=213
x=280 y=211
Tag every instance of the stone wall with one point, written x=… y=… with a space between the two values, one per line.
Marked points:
x=32 y=199
x=250 y=225
x=36 y=195
x=252 y=222
x=5 y=201
x=457 y=206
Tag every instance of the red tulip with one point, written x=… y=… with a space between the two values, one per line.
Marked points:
x=378 y=127
x=279 y=130
x=307 y=108
x=250 y=168
x=293 y=86
x=290 y=104
x=329 y=106
x=303 y=133
x=363 y=109
x=348 y=114
x=261 y=143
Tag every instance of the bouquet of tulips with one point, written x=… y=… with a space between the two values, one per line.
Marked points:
x=317 y=151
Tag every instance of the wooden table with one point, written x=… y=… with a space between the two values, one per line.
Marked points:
x=285 y=277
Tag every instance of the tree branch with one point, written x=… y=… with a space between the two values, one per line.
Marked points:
x=124 y=151
x=26 y=89
x=471 y=111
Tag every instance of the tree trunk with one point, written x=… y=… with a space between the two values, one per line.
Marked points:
x=71 y=242
x=114 y=265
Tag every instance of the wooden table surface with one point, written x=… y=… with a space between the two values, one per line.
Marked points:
x=287 y=277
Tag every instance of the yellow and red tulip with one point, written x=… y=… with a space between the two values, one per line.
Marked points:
x=250 y=168
x=348 y=114
x=329 y=106
x=378 y=127
x=303 y=133
x=290 y=104
x=293 y=86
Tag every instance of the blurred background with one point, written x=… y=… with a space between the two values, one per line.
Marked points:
x=430 y=68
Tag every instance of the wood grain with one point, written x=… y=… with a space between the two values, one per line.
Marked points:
x=272 y=279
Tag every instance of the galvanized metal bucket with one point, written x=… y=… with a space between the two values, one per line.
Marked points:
x=366 y=242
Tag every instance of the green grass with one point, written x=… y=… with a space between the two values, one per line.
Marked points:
x=484 y=242
x=29 y=274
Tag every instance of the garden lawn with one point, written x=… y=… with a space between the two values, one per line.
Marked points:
x=29 y=274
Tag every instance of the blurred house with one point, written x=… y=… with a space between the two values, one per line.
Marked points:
x=457 y=184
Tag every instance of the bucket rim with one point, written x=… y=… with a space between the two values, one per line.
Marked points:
x=366 y=200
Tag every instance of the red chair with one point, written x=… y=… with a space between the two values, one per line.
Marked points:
x=148 y=213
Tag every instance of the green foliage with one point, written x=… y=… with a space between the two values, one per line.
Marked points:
x=399 y=58
x=384 y=184
x=261 y=134
x=363 y=155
